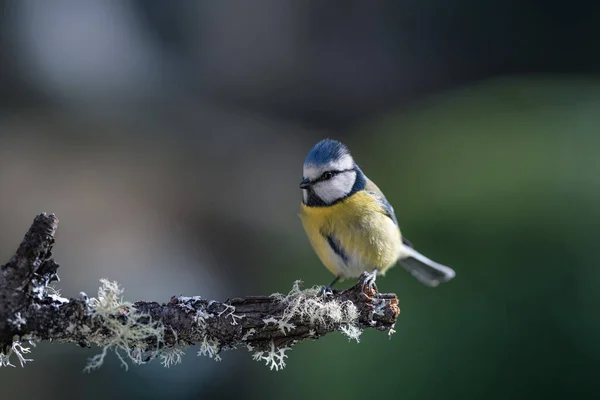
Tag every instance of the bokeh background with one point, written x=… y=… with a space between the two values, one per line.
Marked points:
x=169 y=138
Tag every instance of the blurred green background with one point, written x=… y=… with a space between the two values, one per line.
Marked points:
x=169 y=139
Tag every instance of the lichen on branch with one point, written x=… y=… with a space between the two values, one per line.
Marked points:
x=267 y=326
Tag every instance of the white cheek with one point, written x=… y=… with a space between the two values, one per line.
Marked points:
x=336 y=188
x=304 y=196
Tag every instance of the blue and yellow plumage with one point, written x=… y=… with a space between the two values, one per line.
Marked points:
x=349 y=222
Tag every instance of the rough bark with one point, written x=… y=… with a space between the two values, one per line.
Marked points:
x=30 y=310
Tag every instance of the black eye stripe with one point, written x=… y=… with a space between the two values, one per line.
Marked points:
x=333 y=173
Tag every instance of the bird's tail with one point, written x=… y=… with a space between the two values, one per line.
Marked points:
x=427 y=271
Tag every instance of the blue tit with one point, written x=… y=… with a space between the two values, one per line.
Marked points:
x=351 y=225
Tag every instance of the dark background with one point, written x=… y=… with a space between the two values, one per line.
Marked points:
x=169 y=138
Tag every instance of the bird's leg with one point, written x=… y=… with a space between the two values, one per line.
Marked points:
x=328 y=289
x=330 y=286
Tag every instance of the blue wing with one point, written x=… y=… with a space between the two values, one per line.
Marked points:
x=385 y=205
x=378 y=194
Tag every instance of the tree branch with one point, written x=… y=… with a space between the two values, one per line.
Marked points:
x=31 y=310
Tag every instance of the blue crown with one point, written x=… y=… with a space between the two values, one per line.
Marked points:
x=327 y=150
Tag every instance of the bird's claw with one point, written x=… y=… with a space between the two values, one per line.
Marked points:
x=369 y=281
x=326 y=291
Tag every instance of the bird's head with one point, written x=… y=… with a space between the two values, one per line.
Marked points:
x=329 y=175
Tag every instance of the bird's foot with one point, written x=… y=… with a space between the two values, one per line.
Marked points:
x=369 y=281
x=326 y=291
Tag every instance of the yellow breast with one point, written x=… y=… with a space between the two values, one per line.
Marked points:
x=368 y=237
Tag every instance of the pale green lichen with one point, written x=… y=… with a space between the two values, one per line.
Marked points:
x=17 y=321
x=126 y=335
x=18 y=351
x=310 y=307
x=352 y=332
x=127 y=332
x=172 y=356
x=249 y=333
x=274 y=358
x=210 y=348
x=284 y=326
x=231 y=310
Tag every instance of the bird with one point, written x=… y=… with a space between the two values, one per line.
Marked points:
x=351 y=225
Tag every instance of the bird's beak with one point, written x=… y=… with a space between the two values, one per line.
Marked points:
x=305 y=184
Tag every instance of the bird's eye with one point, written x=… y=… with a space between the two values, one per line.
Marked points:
x=327 y=175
